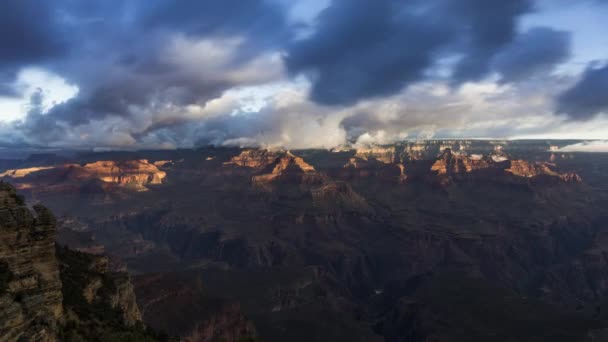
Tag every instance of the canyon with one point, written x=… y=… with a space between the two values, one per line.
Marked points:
x=349 y=244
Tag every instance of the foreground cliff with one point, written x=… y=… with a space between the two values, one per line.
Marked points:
x=49 y=294
x=30 y=288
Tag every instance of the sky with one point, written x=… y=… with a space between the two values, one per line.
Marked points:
x=129 y=74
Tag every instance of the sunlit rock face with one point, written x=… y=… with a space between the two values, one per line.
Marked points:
x=452 y=163
x=254 y=158
x=358 y=169
x=545 y=170
x=270 y=167
x=20 y=173
x=451 y=166
x=387 y=155
x=288 y=167
x=402 y=152
x=134 y=174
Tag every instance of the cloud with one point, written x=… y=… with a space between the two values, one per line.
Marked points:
x=149 y=63
x=164 y=73
x=538 y=50
x=259 y=19
x=485 y=27
x=587 y=146
x=288 y=119
x=28 y=35
x=587 y=98
x=362 y=49
x=433 y=109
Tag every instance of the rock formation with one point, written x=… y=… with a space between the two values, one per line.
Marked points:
x=30 y=293
x=49 y=294
x=270 y=167
x=387 y=155
x=20 y=173
x=288 y=167
x=254 y=158
x=133 y=174
x=452 y=166
x=336 y=197
x=358 y=168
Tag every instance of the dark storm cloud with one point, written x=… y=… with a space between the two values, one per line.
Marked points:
x=258 y=19
x=28 y=35
x=364 y=49
x=486 y=27
x=538 y=50
x=141 y=64
x=119 y=53
x=587 y=98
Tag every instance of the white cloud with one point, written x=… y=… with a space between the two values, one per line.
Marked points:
x=54 y=89
x=588 y=146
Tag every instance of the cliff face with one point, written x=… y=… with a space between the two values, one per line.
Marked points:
x=452 y=166
x=134 y=174
x=131 y=172
x=387 y=155
x=289 y=168
x=254 y=158
x=358 y=168
x=49 y=294
x=30 y=293
x=268 y=167
x=96 y=294
x=406 y=151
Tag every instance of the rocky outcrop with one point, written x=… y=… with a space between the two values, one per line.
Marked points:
x=20 y=173
x=31 y=300
x=132 y=172
x=96 y=176
x=269 y=167
x=522 y=168
x=358 y=168
x=406 y=151
x=384 y=154
x=49 y=293
x=451 y=163
x=254 y=158
x=290 y=168
x=95 y=286
x=452 y=166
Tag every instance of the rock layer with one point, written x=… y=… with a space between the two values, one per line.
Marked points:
x=31 y=303
x=133 y=174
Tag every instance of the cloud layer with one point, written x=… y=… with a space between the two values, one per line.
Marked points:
x=165 y=73
x=587 y=98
